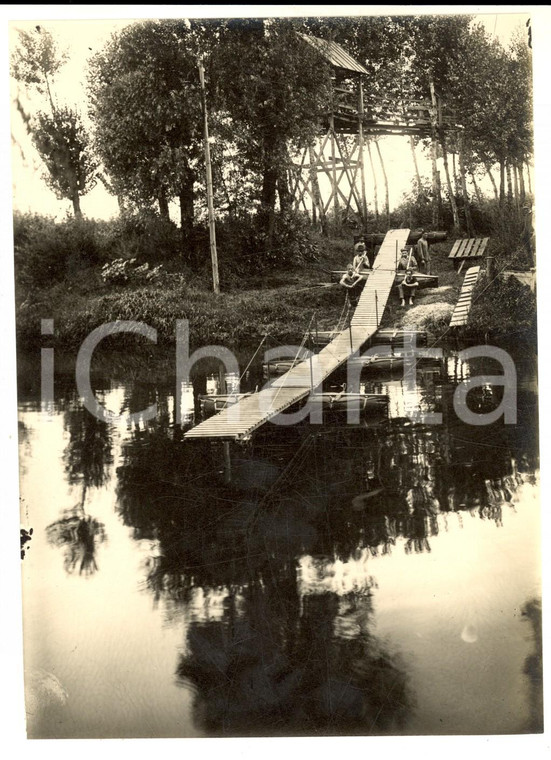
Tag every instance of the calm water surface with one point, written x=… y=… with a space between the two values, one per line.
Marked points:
x=382 y=578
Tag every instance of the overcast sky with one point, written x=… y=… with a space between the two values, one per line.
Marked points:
x=85 y=33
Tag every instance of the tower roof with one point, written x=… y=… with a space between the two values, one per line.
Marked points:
x=335 y=54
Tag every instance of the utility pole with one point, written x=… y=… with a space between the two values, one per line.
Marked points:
x=361 y=150
x=210 y=203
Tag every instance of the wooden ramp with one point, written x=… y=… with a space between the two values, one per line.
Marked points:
x=241 y=419
x=463 y=305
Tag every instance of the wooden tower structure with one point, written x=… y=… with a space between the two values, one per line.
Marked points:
x=338 y=152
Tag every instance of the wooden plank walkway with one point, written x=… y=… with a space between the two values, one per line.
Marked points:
x=463 y=305
x=240 y=420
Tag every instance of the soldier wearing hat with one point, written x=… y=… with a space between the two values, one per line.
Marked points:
x=361 y=260
x=406 y=261
x=407 y=287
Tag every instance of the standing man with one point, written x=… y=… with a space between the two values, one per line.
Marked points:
x=423 y=255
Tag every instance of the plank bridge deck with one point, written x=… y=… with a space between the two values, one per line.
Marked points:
x=463 y=305
x=241 y=419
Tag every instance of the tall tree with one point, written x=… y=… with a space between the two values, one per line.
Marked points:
x=57 y=131
x=64 y=146
x=274 y=86
x=146 y=106
x=492 y=94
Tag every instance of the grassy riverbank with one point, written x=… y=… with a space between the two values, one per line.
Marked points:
x=281 y=302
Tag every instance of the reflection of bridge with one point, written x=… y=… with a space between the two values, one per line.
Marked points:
x=351 y=115
x=241 y=419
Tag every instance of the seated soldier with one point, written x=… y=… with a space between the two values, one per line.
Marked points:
x=361 y=260
x=407 y=287
x=352 y=281
x=406 y=260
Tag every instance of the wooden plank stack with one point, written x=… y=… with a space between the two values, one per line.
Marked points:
x=467 y=249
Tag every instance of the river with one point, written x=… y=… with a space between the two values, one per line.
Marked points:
x=382 y=578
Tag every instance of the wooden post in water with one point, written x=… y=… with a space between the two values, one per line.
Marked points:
x=210 y=202
x=227 y=462
x=376 y=308
x=222 y=380
x=311 y=368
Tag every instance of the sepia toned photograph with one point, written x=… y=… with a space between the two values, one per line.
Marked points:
x=276 y=337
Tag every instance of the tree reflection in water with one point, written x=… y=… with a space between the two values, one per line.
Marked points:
x=265 y=651
x=87 y=456
x=78 y=534
x=533 y=666
x=276 y=667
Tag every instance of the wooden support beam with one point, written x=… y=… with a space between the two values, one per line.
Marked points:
x=316 y=195
x=336 y=209
x=361 y=151
x=350 y=180
x=298 y=171
x=355 y=172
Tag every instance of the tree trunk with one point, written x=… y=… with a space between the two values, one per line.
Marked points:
x=476 y=189
x=501 y=183
x=266 y=212
x=516 y=185
x=416 y=165
x=451 y=193
x=436 y=188
x=75 y=199
x=436 y=192
x=529 y=178
x=222 y=183
x=186 y=199
x=285 y=200
x=375 y=199
x=521 y=182
x=456 y=183
x=387 y=206
x=163 y=206
x=509 y=183
x=488 y=168
x=463 y=175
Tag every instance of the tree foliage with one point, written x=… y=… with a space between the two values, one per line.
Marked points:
x=145 y=103
x=64 y=147
x=275 y=87
x=36 y=61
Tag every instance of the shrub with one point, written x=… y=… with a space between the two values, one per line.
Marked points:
x=145 y=236
x=242 y=246
x=506 y=308
x=124 y=271
x=46 y=251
